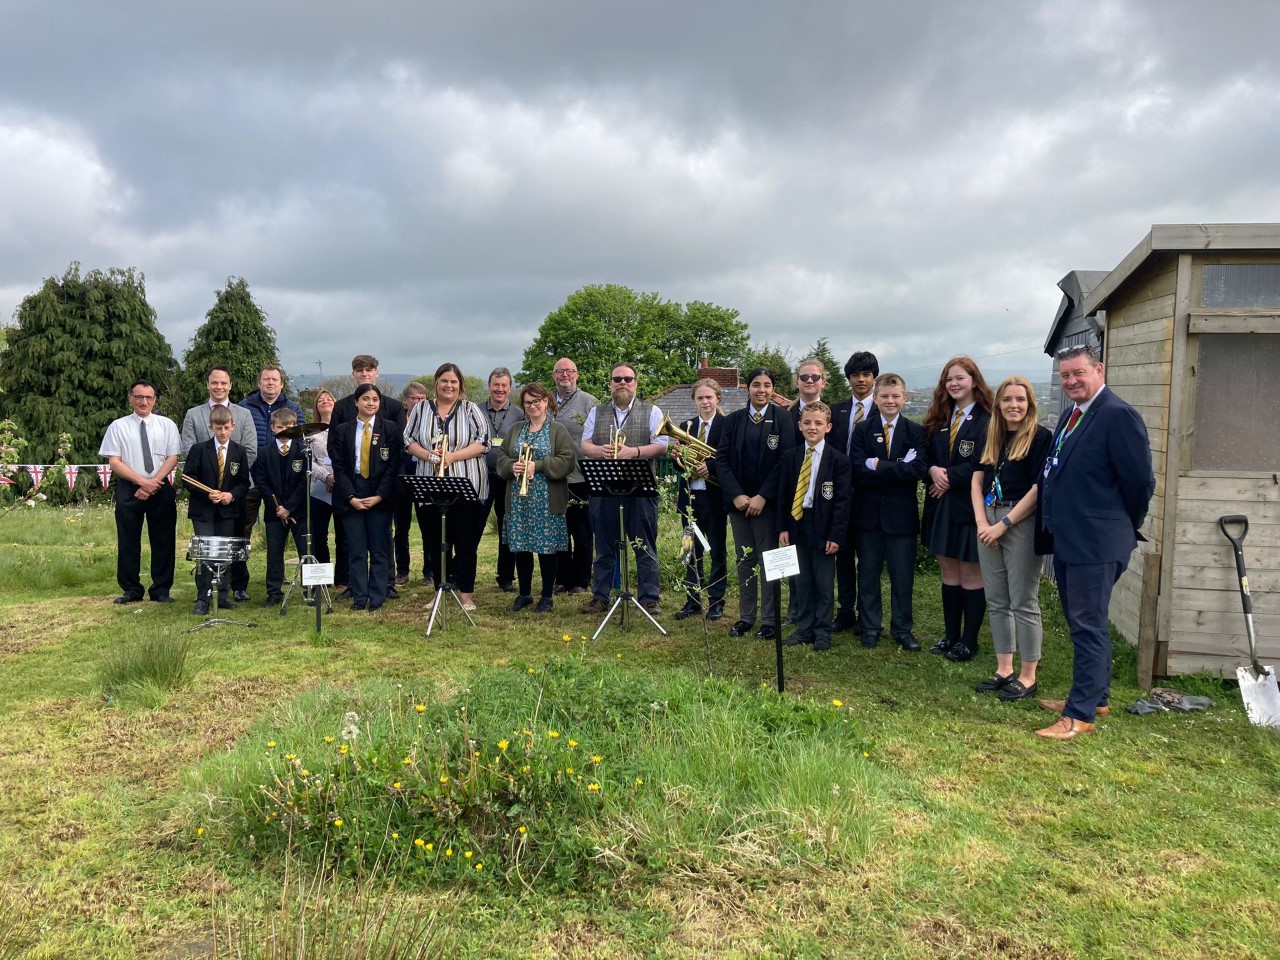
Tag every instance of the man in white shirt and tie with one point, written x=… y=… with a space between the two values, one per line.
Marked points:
x=142 y=450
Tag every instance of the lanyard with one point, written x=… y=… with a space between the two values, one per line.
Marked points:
x=1062 y=437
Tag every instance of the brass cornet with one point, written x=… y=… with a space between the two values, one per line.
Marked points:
x=526 y=457
x=441 y=447
x=691 y=450
x=615 y=441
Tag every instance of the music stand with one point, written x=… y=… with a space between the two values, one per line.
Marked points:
x=441 y=493
x=623 y=479
x=306 y=432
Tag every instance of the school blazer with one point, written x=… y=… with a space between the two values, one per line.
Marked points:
x=386 y=457
x=734 y=459
x=1096 y=498
x=960 y=462
x=715 y=434
x=202 y=465
x=841 y=422
x=832 y=498
x=885 y=498
x=281 y=477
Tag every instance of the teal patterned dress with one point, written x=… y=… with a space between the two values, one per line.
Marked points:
x=530 y=526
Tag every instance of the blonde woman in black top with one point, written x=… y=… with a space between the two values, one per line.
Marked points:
x=1003 y=496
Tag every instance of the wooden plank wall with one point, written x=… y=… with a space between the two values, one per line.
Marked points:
x=1208 y=626
x=1139 y=361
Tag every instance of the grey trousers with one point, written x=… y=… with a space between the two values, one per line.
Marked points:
x=752 y=536
x=1011 y=578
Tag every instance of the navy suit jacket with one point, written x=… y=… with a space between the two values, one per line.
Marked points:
x=734 y=461
x=842 y=422
x=885 y=498
x=835 y=477
x=202 y=465
x=1095 y=498
x=386 y=458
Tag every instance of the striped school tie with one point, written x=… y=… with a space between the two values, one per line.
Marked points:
x=802 y=485
x=222 y=462
x=955 y=428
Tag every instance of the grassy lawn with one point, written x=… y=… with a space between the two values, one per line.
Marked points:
x=914 y=819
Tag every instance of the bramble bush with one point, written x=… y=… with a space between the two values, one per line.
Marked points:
x=573 y=775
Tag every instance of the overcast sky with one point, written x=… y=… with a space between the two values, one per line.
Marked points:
x=426 y=181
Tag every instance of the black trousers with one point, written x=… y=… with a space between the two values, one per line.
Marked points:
x=160 y=513
x=847 y=578
x=498 y=500
x=217 y=527
x=277 y=541
x=714 y=524
x=321 y=514
x=239 y=572
x=814 y=589
x=876 y=549
x=574 y=565
x=368 y=539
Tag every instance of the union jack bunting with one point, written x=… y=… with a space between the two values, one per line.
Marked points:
x=72 y=470
x=37 y=473
x=104 y=474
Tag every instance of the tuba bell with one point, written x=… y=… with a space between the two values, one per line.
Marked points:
x=690 y=452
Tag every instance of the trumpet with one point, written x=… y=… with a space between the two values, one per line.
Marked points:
x=441 y=446
x=690 y=451
x=526 y=457
x=615 y=440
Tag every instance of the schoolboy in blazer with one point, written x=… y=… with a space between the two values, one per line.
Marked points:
x=861 y=370
x=280 y=473
x=886 y=511
x=820 y=531
x=705 y=506
x=221 y=514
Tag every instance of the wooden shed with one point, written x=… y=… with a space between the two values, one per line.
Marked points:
x=1192 y=340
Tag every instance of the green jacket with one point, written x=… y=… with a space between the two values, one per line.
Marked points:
x=555 y=468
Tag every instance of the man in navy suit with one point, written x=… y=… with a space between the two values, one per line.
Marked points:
x=1094 y=493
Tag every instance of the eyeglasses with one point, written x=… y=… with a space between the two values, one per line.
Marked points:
x=534 y=401
x=565 y=370
x=809 y=377
x=144 y=397
x=624 y=379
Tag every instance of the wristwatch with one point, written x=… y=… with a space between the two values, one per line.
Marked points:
x=1006 y=521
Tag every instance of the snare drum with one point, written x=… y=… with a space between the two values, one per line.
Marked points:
x=218 y=549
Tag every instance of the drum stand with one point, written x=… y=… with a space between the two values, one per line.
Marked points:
x=296 y=579
x=217 y=567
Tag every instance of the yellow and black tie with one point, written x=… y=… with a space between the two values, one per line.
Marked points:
x=365 y=451
x=955 y=428
x=802 y=485
x=222 y=462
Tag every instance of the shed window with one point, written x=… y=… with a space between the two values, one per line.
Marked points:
x=1237 y=402
x=1241 y=285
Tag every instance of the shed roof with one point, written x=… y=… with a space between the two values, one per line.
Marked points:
x=1075 y=286
x=1183 y=238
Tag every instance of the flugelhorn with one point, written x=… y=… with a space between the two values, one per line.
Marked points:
x=691 y=451
x=441 y=447
x=526 y=457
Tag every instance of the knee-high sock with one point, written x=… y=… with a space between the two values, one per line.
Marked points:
x=975 y=608
x=952 y=611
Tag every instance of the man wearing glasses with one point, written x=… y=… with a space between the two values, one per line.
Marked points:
x=573 y=569
x=624 y=429
x=142 y=450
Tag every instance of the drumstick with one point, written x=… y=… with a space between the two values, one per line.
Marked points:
x=198 y=485
x=277 y=500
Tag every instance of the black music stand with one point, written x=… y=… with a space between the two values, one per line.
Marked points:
x=623 y=479
x=441 y=493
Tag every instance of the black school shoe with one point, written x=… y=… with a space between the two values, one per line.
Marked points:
x=545 y=605
x=796 y=640
x=942 y=647
x=520 y=602
x=767 y=632
x=716 y=612
x=1015 y=690
x=993 y=683
x=741 y=628
x=688 y=610
x=960 y=653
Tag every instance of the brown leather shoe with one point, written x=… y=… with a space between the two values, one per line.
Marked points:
x=1057 y=706
x=1067 y=728
x=594 y=606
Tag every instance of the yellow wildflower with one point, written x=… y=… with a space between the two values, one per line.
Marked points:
x=503 y=744
x=337 y=822
x=567 y=639
x=569 y=771
x=525 y=768
x=200 y=831
x=271 y=744
x=344 y=749
x=396 y=785
x=449 y=852
x=419 y=842
x=553 y=734
x=291 y=756
x=572 y=743
x=443 y=778
x=522 y=831
x=306 y=773
x=431 y=846
x=467 y=854
x=479 y=866
x=328 y=739
x=639 y=782
x=421 y=708
x=596 y=758
x=406 y=761
x=618 y=656
x=395 y=836
x=594 y=787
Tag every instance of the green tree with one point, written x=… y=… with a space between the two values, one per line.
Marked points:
x=603 y=325
x=234 y=334
x=79 y=342
x=837 y=388
x=777 y=360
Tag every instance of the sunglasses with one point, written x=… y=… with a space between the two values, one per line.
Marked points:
x=810 y=377
x=624 y=379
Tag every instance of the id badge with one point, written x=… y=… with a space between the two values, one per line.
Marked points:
x=990 y=498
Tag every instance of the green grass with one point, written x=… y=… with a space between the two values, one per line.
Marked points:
x=958 y=834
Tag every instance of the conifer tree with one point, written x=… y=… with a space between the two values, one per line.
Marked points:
x=234 y=334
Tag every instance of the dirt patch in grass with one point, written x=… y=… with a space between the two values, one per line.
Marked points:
x=947 y=937
x=30 y=626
